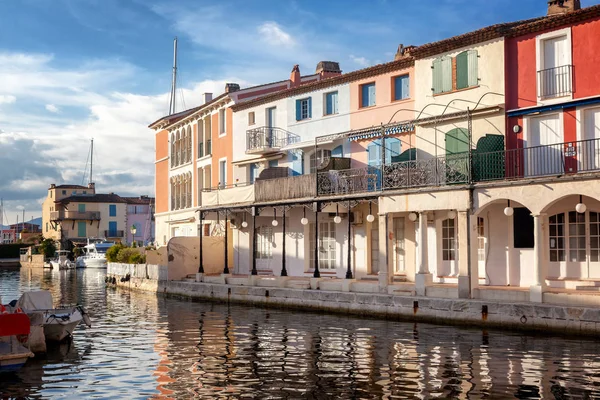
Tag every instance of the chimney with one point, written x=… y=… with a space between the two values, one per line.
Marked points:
x=52 y=185
x=295 y=76
x=231 y=87
x=403 y=52
x=207 y=97
x=556 y=7
x=328 y=68
x=91 y=185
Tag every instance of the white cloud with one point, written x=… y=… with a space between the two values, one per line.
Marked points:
x=361 y=61
x=273 y=34
x=7 y=99
x=52 y=108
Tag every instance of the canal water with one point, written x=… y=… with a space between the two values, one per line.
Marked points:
x=144 y=346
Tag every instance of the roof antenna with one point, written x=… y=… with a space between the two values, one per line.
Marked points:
x=172 y=103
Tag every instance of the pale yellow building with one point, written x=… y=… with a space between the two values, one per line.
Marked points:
x=75 y=213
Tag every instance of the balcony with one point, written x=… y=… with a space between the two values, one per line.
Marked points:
x=555 y=82
x=288 y=187
x=74 y=215
x=113 y=234
x=267 y=139
x=464 y=168
x=229 y=194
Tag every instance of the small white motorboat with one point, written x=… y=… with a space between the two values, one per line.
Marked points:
x=94 y=254
x=13 y=354
x=59 y=322
x=61 y=260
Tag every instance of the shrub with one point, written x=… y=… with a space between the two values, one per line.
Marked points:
x=125 y=254
x=47 y=248
x=113 y=251
x=137 y=258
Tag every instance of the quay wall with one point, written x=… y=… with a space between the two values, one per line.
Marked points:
x=464 y=312
x=32 y=260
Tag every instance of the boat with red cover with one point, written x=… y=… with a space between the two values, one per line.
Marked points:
x=13 y=326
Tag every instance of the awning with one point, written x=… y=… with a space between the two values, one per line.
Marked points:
x=299 y=145
x=375 y=131
x=181 y=221
x=553 y=107
x=256 y=159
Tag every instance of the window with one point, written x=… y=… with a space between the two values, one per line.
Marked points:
x=326 y=247
x=448 y=240
x=74 y=192
x=331 y=103
x=264 y=243
x=81 y=229
x=273 y=163
x=480 y=239
x=557 y=237
x=374 y=248
x=577 y=246
x=46 y=227
x=81 y=208
x=85 y=192
x=251 y=118
x=303 y=109
x=401 y=87
x=399 y=244
x=222 y=121
x=523 y=228
x=112 y=210
x=367 y=95
x=64 y=192
x=222 y=173
x=318 y=158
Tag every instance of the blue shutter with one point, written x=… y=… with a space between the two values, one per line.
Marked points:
x=273 y=163
x=372 y=94
x=374 y=150
x=334 y=101
x=253 y=168
x=365 y=95
x=112 y=210
x=309 y=107
x=329 y=103
x=112 y=229
x=405 y=87
x=298 y=110
x=392 y=149
x=337 y=152
x=296 y=160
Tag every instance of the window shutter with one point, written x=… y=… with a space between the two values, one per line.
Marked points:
x=309 y=101
x=364 y=95
x=296 y=158
x=334 y=103
x=337 y=152
x=405 y=87
x=392 y=149
x=462 y=70
x=447 y=74
x=437 y=76
x=328 y=104
x=372 y=94
x=298 y=110
x=374 y=149
x=473 y=68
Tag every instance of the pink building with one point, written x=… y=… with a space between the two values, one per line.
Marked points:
x=140 y=215
x=7 y=236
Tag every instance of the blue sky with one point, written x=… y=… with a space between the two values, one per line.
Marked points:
x=71 y=70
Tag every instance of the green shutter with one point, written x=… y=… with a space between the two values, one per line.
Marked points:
x=462 y=70
x=81 y=229
x=81 y=207
x=473 y=68
x=457 y=141
x=437 y=76
x=446 y=74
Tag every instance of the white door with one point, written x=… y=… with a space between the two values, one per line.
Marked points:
x=327 y=246
x=399 y=245
x=555 y=79
x=449 y=252
x=544 y=152
x=375 y=249
x=589 y=148
x=271 y=123
x=264 y=248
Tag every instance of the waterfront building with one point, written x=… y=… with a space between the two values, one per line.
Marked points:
x=7 y=236
x=140 y=225
x=397 y=173
x=194 y=155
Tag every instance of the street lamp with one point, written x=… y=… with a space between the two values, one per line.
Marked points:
x=133 y=230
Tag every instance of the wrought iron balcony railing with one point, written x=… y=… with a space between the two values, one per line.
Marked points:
x=114 y=234
x=267 y=138
x=75 y=215
x=555 y=82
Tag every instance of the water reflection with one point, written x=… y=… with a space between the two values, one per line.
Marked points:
x=143 y=346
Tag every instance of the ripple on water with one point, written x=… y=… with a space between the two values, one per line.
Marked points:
x=143 y=346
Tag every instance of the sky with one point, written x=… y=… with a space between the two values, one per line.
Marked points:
x=73 y=70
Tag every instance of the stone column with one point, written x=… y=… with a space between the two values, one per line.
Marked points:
x=509 y=248
x=536 y=289
x=423 y=277
x=468 y=263
x=384 y=265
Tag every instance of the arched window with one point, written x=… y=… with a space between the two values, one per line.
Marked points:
x=189 y=143
x=178 y=148
x=172 y=149
x=189 y=190
x=173 y=193
x=319 y=158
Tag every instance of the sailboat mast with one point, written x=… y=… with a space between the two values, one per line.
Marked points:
x=92 y=161
x=172 y=105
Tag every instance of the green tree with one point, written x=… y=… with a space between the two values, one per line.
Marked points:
x=47 y=248
x=113 y=251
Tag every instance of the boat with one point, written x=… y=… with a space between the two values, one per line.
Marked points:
x=61 y=260
x=59 y=322
x=13 y=354
x=94 y=254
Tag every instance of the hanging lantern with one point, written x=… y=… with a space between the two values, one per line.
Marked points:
x=304 y=220
x=274 y=222
x=244 y=224
x=580 y=207
x=412 y=216
x=451 y=214
x=370 y=217
x=509 y=211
